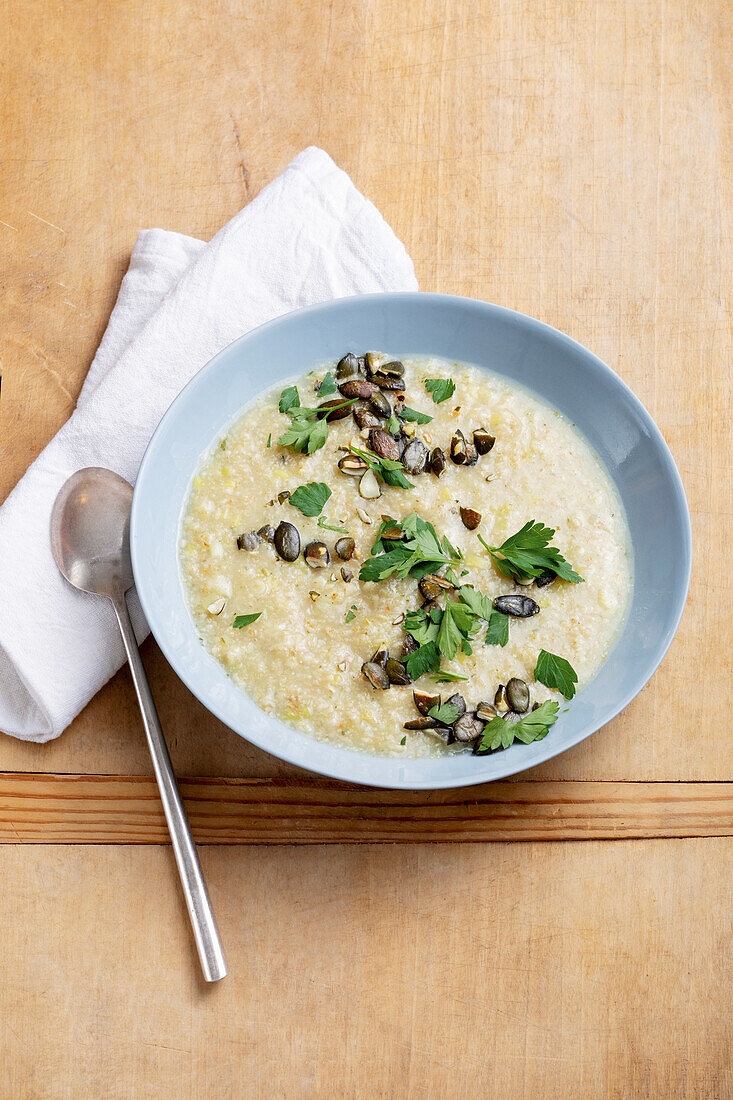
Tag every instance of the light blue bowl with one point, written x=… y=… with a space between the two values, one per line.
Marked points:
x=558 y=369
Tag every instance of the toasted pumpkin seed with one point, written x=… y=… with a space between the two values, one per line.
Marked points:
x=287 y=541
x=352 y=465
x=437 y=461
x=376 y=675
x=345 y=548
x=485 y=711
x=471 y=518
x=517 y=694
x=415 y=457
x=348 y=367
x=316 y=555
x=365 y=418
x=248 y=540
x=458 y=449
x=339 y=410
x=421 y=724
x=500 y=700
x=467 y=728
x=358 y=387
x=425 y=701
x=520 y=607
x=369 y=486
x=384 y=444
x=397 y=672
x=482 y=441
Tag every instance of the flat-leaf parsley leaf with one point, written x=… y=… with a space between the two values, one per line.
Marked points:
x=500 y=734
x=528 y=553
x=440 y=388
x=245 y=620
x=310 y=498
x=556 y=672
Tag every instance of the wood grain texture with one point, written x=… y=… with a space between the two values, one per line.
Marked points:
x=63 y=809
x=500 y=971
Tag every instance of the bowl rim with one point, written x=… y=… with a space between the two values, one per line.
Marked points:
x=545 y=750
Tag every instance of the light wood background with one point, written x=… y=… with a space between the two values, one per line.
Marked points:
x=568 y=158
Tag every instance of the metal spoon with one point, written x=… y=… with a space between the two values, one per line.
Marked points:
x=90 y=539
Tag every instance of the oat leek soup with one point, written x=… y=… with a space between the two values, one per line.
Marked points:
x=408 y=557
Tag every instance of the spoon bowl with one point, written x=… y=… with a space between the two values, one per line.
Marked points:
x=90 y=540
x=90 y=531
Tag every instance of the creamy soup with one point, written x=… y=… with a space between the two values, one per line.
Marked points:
x=508 y=650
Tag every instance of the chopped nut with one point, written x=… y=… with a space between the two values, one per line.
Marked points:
x=364 y=516
x=217 y=606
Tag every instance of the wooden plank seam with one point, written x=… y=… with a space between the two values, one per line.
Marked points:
x=103 y=809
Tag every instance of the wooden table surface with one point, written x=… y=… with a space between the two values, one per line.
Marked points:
x=569 y=159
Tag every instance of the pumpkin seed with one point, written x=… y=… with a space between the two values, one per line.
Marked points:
x=517 y=694
x=345 y=548
x=358 y=387
x=248 y=540
x=352 y=465
x=384 y=444
x=471 y=518
x=482 y=441
x=415 y=457
x=437 y=461
x=376 y=675
x=369 y=486
x=316 y=555
x=397 y=672
x=467 y=728
x=520 y=607
x=458 y=449
x=425 y=701
x=287 y=541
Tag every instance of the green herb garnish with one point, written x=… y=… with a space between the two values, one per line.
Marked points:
x=556 y=672
x=305 y=435
x=440 y=388
x=498 y=733
x=528 y=553
x=351 y=613
x=421 y=553
x=404 y=740
x=327 y=386
x=330 y=527
x=245 y=620
x=423 y=659
x=393 y=425
x=308 y=430
x=414 y=416
x=310 y=498
x=388 y=469
x=446 y=714
x=269 y=439
x=289 y=399
x=498 y=631
x=445 y=677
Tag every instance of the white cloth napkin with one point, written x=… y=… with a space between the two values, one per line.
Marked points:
x=307 y=237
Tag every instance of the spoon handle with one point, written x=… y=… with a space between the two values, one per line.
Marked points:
x=206 y=934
